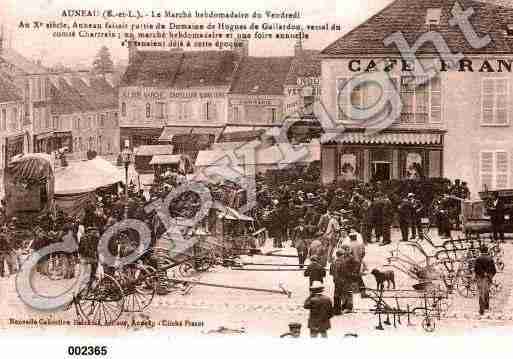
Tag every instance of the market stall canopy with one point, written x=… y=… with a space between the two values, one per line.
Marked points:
x=165 y=159
x=32 y=166
x=86 y=176
x=273 y=155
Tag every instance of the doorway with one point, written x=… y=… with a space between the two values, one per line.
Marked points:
x=381 y=170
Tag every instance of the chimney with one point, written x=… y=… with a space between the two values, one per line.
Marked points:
x=298 y=47
x=242 y=49
x=132 y=51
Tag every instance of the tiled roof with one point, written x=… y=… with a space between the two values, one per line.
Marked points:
x=306 y=64
x=8 y=92
x=180 y=69
x=409 y=17
x=152 y=68
x=21 y=62
x=74 y=95
x=261 y=76
x=206 y=68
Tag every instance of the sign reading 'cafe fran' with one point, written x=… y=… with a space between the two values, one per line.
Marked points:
x=169 y=94
x=463 y=65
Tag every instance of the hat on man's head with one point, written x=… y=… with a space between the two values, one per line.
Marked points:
x=484 y=249
x=314 y=258
x=317 y=286
x=411 y=194
x=340 y=252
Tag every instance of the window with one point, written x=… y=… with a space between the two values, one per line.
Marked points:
x=123 y=109
x=4 y=120
x=422 y=100
x=236 y=114
x=161 y=110
x=37 y=95
x=433 y=16
x=415 y=100
x=116 y=120
x=184 y=111
x=209 y=111
x=494 y=100
x=14 y=118
x=102 y=121
x=55 y=121
x=494 y=170
x=274 y=116
x=148 y=110
x=78 y=127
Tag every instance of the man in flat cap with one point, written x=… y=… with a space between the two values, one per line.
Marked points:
x=321 y=311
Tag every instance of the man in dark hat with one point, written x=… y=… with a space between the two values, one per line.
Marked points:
x=321 y=311
x=496 y=211
x=344 y=270
x=485 y=270
x=315 y=271
x=405 y=213
x=299 y=241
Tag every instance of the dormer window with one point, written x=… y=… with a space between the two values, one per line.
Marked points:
x=202 y=80
x=433 y=16
x=255 y=88
x=509 y=30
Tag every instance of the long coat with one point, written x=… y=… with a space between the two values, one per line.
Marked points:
x=321 y=311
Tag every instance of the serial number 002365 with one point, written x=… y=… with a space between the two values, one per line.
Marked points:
x=87 y=350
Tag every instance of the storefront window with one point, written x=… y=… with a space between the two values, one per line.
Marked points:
x=348 y=166
x=414 y=169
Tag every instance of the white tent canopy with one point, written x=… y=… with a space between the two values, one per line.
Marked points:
x=86 y=176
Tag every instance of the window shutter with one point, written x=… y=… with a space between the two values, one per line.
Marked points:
x=501 y=107
x=213 y=113
x=486 y=170
x=204 y=111
x=342 y=101
x=436 y=100
x=487 y=100
x=501 y=177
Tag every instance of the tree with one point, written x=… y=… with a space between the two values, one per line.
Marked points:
x=103 y=64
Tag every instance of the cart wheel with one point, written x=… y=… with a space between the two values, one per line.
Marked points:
x=428 y=325
x=102 y=303
x=139 y=284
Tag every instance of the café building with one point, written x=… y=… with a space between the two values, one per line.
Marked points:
x=456 y=124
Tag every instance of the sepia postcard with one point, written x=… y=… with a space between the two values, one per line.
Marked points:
x=280 y=169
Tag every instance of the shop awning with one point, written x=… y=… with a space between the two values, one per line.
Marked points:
x=42 y=136
x=170 y=131
x=389 y=138
x=165 y=159
x=153 y=150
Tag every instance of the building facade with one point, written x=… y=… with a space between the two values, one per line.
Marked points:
x=84 y=114
x=455 y=124
x=11 y=131
x=31 y=80
x=176 y=90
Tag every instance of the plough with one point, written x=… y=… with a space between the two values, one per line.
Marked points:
x=433 y=303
